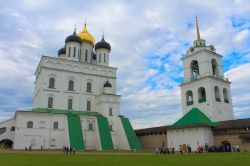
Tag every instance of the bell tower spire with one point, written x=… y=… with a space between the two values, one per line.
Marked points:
x=197 y=28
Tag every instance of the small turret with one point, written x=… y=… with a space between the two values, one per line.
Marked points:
x=102 y=49
x=73 y=47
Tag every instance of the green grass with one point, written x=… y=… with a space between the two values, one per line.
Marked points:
x=54 y=159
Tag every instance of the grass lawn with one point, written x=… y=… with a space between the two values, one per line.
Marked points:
x=102 y=159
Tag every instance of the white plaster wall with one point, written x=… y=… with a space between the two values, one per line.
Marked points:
x=8 y=134
x=192 y=136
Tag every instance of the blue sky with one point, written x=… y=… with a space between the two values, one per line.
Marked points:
x=147 y=39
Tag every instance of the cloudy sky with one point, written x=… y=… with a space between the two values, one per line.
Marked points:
x=148 y=38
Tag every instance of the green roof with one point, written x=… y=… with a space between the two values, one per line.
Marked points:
x=59 y=111
x=194 y=117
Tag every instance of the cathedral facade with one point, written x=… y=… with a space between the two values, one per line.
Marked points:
x=75 y=102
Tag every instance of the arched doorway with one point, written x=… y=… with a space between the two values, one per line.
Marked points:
x=226 y=146
x=6 y=143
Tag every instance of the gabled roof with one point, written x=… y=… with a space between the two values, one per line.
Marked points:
x=194 y=118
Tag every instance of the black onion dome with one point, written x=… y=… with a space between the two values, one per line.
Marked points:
x=103 y=44
x=61 y=51
x=73 y=38
x=107 y=84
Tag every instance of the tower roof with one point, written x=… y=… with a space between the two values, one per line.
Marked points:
x=194 y=117
x=73 y=38
x=103 y=44
x=86 y=36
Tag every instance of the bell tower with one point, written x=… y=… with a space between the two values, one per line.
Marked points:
x=204 y=85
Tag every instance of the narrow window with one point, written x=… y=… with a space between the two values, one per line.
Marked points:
x=189 y=97
x=194 y=66
x=100 y=57
x=69 y=51
x=12 y=128
x=50 y=102
x=88 y=105
x=202 y=94
x=111 y=127
x=110 y=112
x=104 y=58
x=29 y=124
x=217 y=93
x=51 y=83
x=86 y=55
x=55 y=125
x=74 y=54
x=88 y=87
x=215 y=67
x=90 y=127
x=70 y=104
x=225 y=95
x=71 y=85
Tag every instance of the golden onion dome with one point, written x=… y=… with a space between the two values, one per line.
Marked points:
x=86 y=36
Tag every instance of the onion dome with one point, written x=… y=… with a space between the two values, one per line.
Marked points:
x=73 y=38
x=103 y=44
x=85 y=36
x=61 y=51
x=107 y=84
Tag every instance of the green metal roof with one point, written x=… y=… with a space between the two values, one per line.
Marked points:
x=194 y=117
x=59 y=111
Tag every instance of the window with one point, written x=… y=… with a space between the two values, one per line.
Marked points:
x=74 y=54
x=71 y=85
x=52 y=83
x=217 y=94
x=189 y=97
x=100 y=57
x=104 y=58
x=225 y=95
x=111 y=127
x=70 y=104
x=29 y=124
x=110 y=112
x=42 y=125
x=53 y=142
x=2 y=130
x=90 y=128
x=86 y=55
x=202 y=94
x=69 y=51
x=88 y=105
x=12 y=128
x=215 y=67
x=55 y=125
x=194 y=70
x=88 y=87
x=50 y=102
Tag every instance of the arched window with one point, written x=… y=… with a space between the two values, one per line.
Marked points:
x=202 y=94
x=189 y=97
x=70 y=104
x=29 y=124
x=217 y=93
x=12 y=128
x=90 y=128
x=215 y=67
x=88 y=87
x=194 y=66
x=225 y=95
x=42 y=125
x=55 y=125
x=110 y=112
x=50 y=102
x=52 y=83
x=33 y=142
x=71 y=85
x=88 y=105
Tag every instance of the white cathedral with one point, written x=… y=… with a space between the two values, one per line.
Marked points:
x=75 y=102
